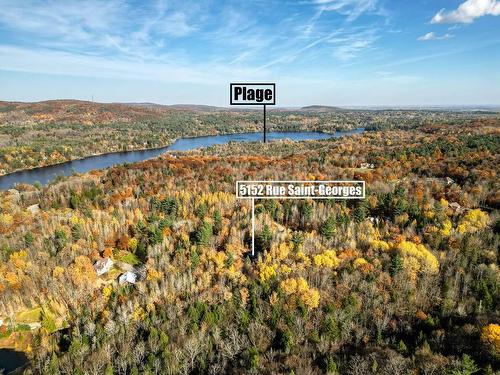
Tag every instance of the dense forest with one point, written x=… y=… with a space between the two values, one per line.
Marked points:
x=403 y=282
x=51 y=132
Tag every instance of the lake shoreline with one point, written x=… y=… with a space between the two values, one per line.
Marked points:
x=173 y=140
x=86 y=157
x=13 y=361
x=153 y=151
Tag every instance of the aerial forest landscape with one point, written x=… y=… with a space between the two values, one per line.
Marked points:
x=126 y=249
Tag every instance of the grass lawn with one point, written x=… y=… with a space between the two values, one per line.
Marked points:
x=23 y=327
x=127 y=257
x=29 y=316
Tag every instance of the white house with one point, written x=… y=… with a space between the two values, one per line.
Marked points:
x=127 y=277
x=34 y=209
x=103 y=265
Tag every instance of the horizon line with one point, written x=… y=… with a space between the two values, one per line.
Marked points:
x=269 y=107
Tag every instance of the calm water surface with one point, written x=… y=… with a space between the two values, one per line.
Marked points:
x=44 y=175
x=11 y=360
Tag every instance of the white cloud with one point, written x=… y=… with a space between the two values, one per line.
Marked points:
x=68 y=21
x=113 y=39
x=350 y=8
x=295 y=52
x=351 y=46
x=432 y=36
x=47 y=61
x=96 y=26
x=349 y=40
x=176 y=25
x=468 y=11
x=343 y=44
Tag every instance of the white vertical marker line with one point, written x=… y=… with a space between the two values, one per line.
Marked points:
x=253 y=227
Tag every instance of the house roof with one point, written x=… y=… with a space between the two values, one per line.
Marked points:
x=127 y=276
x=103 y=262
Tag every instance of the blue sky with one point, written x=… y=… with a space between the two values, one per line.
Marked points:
x=332 y=52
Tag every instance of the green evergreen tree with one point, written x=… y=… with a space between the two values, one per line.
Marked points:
x=217 y=226
x=297 y=240
x=108 y=370
x=331 y=366
x=466 y=366
x=54 y=364
x=201 y=210
x=396 y=264
x=77 y=231
x=360 y=212
x=203 y=234
x=164 y=339
x=400 y=206
x=402 y=349
x=60 y=240
x=264 y=238
x=327 y=229
x=306 y=212
x=28 y=239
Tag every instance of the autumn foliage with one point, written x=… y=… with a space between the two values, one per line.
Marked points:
x=405 y=281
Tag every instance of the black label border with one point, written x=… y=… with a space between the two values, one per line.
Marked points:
x=231 y=102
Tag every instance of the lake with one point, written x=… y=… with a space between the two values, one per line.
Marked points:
x=11 y=360
x=44 y=175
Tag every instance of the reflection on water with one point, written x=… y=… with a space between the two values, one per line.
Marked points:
x=46 y=174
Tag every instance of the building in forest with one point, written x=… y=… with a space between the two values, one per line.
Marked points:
x=103 y=265
x=127 y=277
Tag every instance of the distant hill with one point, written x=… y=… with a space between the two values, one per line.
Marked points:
x=321 y=108
x=183 y=107
x=92 y=113
x=199 y=108
x=77 y=111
